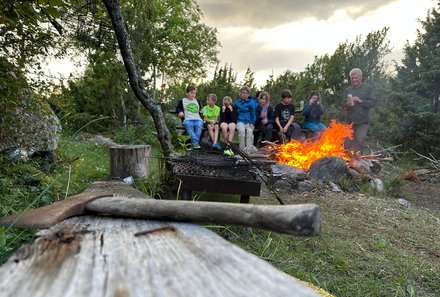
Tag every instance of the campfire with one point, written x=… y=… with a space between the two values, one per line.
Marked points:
x=329 y=144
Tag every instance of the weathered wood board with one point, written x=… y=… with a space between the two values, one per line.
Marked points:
x=117 y=257
x=103 y=256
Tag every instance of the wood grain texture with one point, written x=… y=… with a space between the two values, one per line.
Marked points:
x=103 y=256
x=129 y=160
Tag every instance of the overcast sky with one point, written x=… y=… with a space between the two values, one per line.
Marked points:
x=273 y=36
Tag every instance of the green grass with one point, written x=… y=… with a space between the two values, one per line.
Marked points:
x=369 y=246
x=27 y=185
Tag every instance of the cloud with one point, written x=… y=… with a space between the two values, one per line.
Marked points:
x=268 y=13
x=242 y=49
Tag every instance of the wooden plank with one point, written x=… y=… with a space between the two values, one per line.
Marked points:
x=219 y=185
x=103 y=256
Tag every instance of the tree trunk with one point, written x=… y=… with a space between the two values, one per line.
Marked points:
x=129 y=160
x=136 y=82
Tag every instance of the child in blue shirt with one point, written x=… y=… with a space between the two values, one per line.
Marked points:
x=246 y=116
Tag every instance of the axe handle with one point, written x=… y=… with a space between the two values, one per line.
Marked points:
x=301 y=219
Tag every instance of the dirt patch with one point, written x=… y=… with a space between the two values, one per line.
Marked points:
x=423 y=195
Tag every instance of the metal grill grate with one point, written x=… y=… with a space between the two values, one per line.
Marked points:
x=213 y=165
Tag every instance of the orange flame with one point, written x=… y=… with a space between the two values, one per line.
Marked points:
x=328 y=143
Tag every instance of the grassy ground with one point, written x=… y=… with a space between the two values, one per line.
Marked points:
x=28 y=185
x=370 y=245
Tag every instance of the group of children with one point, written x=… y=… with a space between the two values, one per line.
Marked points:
x=247 y=114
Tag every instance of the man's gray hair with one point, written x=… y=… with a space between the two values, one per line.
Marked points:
x=355 y=71
x=245 y=89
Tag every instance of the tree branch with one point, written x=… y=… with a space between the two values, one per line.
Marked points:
x=136 y=82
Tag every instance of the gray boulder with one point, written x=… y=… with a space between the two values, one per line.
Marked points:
x=329 y=168
x=29 y=124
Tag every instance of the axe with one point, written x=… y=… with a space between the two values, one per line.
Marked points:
x=301 y=219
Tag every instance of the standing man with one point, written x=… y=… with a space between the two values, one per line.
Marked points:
x=357 y=101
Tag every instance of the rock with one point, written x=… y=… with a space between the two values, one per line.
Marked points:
x=288 y=172
x=376 y=184
x=405 y=203
x=365 y=166
x=29 y=125
x=103 y=140
x=361 y=165
x=355 y=175
x=282 y=184
x=377 y=166
x=305 y=186
x=329 y=168
x=335 y=187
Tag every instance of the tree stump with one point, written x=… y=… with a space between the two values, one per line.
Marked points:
x=129 y=160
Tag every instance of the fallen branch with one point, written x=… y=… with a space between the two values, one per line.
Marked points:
x=434 y=162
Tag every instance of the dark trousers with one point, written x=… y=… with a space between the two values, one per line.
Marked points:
x=357 y=144
x=265 y=130
x=293 y=132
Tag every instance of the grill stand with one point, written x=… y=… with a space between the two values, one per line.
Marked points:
x=244 y=188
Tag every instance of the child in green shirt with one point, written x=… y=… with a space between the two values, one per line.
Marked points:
x=211 y=113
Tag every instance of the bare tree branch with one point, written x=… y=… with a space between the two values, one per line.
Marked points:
x=136 y=82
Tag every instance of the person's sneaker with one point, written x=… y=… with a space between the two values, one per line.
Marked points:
x=216 y=146
x=196 y=146
x=228 y=152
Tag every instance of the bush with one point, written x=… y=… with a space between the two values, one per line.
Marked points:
x=419 y=131
x=85 y=122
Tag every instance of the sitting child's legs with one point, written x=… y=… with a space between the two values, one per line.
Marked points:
x=294 y=132
x=194 y=130
x=241 y=127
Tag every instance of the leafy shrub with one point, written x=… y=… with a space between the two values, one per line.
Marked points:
x=85 y=122
x=419 y=131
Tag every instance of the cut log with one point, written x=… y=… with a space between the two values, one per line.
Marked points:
x=129 y=160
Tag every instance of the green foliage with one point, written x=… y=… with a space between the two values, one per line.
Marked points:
x=144 y=133
x=102 y=92
x=85 y=122
x=287 y=80
x=152 y=185
x=169 y=40
x=249 y=79
x=184 y=142
x=22 y=37
x=222 y=84
x=419 y=132
x=413 y=102
x=135 y=134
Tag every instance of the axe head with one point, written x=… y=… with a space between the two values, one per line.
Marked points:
x=49 y=215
